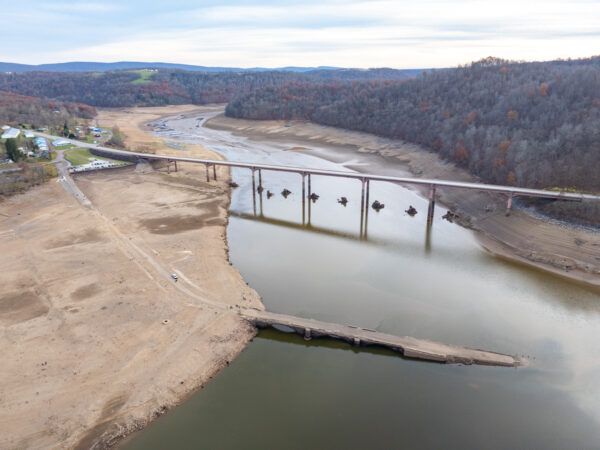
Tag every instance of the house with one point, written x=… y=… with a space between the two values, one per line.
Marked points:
x=5 y=127
x=60 y=143
x=28 y=134
x=11 y=133
x=40 y=142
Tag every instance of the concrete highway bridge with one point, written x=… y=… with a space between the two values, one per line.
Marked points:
x=365 y=178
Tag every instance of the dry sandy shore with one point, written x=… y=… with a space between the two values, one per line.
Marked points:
x=96 y=339
x=567 y=251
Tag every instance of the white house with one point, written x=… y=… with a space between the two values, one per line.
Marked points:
x=11 y=133
x=60 y=142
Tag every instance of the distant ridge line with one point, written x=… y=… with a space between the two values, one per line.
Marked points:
x=83 y=66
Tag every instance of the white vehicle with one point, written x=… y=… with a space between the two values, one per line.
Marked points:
x=174 y=276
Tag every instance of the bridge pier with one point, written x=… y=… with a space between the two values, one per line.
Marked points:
x=175 y=165
x=207 y=176
x=509 y=204
x=303 y=198
x=253 y=192
x=362 y=207
x=367 y=209
x=431 y=207
x=215 y=172
x=307 y=336
x=362 y=196
x=308 y=197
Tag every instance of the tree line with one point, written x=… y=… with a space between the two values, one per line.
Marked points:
x=166 y=87
x=35 y=112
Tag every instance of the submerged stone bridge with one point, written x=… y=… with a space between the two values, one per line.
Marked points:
x=408 y=346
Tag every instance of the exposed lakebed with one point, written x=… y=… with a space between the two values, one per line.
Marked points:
x=397 y=277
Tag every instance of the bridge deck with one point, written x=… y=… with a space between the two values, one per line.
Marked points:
x=508 y=190
x=410 y=347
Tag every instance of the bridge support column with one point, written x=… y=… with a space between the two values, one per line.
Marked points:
x=307 y=336
x=308 y=197
x=303 y=197
x=207 y=176
x=362 y=207
x=260 y=180
x=253 y=192
x=362 y=196
x=168 y=166
x=175 y=166
x=509 y=204
x=431 y=208
x=367 y=209
x=215 y=172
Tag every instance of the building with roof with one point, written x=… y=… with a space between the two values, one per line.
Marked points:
x=11 y=133
x=60 y=143
x=28 y=134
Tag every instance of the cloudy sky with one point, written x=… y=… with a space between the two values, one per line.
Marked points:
x=268 y=33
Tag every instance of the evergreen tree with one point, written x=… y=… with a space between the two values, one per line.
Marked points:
x=12 y=151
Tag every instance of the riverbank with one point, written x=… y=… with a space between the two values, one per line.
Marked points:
x=97 y=340
x=569 y=251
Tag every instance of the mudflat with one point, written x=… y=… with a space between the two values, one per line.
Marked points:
x=96 y=338
x=563 y=249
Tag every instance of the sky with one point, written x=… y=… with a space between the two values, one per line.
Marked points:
x=265 y=33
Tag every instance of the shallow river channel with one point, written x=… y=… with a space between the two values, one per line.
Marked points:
x=396 y=277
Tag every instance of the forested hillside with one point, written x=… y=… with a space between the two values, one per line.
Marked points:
x=528 y=124
x=164 y=87
x=18 y=109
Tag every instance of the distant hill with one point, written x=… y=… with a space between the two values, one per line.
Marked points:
x=79 y=66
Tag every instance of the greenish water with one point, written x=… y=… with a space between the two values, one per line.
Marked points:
x=400 y=278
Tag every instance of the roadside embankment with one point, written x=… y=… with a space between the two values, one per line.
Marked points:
x=570 y=251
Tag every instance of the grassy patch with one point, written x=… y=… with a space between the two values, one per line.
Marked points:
x=144 y=76
x=81 y=156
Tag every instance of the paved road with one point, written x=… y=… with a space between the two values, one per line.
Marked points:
x=65 y=180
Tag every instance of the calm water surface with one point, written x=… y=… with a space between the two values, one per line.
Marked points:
x=396 y=277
